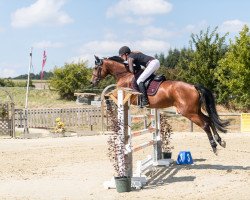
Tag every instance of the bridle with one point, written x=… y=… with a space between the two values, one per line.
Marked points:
x=98 y=67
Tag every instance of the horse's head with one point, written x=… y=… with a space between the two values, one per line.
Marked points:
x=112 y=65
x=98 y=72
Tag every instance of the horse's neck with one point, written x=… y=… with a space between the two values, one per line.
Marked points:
x=122 y=75
x=125 y=81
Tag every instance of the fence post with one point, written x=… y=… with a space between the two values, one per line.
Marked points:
x=191 y=126
x=13 y=120
x=157 y=146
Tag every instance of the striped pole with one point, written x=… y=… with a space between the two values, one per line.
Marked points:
x=144 y=145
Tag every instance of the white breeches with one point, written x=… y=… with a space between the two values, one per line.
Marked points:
x=150 y=69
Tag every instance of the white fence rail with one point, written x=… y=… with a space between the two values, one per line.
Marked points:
x=45 y=117
x=180 y=123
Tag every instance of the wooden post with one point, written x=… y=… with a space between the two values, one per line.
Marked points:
x=13 y=120
x=191 y=126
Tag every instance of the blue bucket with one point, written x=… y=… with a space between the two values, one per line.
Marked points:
x=184 y=158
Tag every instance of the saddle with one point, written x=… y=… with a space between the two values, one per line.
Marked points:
x=152 y=83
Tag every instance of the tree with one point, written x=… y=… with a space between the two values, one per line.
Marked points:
x=161 y=58
x=69 y=78
x=46 y=76
x=6 y=83
x=182 y=67
x=172 y=58
x=169 y=64
x=2 y=83
x=233 y=73
x=206 y=50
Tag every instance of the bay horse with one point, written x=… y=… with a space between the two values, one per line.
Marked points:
x=187 y=98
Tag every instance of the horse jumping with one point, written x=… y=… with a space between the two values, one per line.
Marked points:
x=187 y=98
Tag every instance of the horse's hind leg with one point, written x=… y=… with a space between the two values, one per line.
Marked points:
x=217 y=136
x=204 y=123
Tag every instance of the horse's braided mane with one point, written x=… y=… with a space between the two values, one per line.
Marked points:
x=117 y=59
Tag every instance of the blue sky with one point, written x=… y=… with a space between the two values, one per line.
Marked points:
x=73 y=30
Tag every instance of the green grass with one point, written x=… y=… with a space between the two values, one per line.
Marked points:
x=37 y=98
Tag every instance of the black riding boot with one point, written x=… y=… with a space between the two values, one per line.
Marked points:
x=143 y=90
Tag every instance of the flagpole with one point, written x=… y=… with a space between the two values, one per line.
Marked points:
x=26 y=130
x=43 y=64
x=41 y=76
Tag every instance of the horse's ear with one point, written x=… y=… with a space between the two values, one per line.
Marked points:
x=98 y=61
x=97 y=58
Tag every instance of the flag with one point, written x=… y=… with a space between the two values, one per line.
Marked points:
x=43 y=63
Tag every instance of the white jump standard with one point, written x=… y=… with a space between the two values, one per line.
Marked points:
x=138 y=179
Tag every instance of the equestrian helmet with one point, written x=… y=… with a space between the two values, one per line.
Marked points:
x=123 y=50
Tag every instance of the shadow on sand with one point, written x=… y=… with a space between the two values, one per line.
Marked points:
x=166 y=175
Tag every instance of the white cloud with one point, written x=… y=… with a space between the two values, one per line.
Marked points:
x=155 y=32
x=139 y=7
x=141 y=21
x=42 y=12
x=1 y=29
x=7 y=72
x=138 y=11
x=89 y=58
x=195 y=28
x=150 y=46
x=110 y=35
x=47 y=44
x=9 y=69
x=172 y=31
x=111 y=47
x=101 y=47
x=232 y=26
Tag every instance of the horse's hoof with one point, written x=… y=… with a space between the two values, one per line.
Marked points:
x=223 y=143
x=215 y=151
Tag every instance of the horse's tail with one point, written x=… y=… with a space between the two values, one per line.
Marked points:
x=208 y=98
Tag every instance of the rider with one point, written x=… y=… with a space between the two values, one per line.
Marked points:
x=150 y=63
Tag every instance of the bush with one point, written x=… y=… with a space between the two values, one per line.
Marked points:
x=69 y=78
x=6 y=83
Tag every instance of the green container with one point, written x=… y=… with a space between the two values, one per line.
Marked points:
x=166 y=155
x=123 y=184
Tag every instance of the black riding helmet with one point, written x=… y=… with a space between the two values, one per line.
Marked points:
x=123 y=50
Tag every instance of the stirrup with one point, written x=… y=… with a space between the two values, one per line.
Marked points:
x=144 y=103
x=142 y=106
